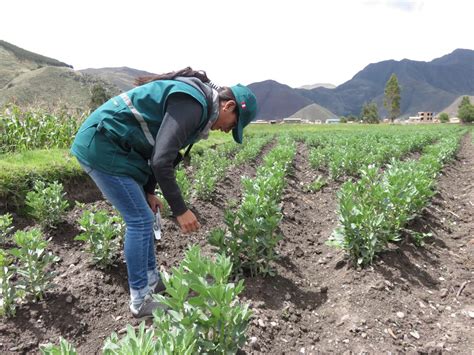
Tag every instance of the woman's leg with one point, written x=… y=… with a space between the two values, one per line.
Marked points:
x=128 y=197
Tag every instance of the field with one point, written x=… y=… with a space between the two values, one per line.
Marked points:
x=368 y=244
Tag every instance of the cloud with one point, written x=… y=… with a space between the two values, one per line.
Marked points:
x=403 y=5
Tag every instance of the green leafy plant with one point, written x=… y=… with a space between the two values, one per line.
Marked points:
x=64 y=348
x=33 y=262
x=47 y=204
x=184 y=184
x=204 y=304
x=317 y=184
x=5 y=227
x=103 y=235
x=8 y=290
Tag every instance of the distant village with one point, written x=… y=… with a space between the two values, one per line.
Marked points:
x=420 y=118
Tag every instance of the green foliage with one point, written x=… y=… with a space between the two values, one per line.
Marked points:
x=317 y=184
x=210 y=168
x=142 y=342
x=64 y=348
x=5 y=226
x=419 y=238
x=98 y=96
x=443 y=117
x=47 y=204
x=370 y=113
x=374 y=209
x=33 y=262
x=8 y=292
x=251 y=236
x=203 y=303
x=19 y=171
x=184 y=184
x=26 y=130
x=103 y=235
x=392 y=97
x=466 y=110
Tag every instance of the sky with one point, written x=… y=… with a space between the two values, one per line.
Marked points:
x=295 y=42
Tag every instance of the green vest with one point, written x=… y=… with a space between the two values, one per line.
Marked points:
x=118 y=137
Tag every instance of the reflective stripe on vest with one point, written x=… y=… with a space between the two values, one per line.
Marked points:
x=139 y=118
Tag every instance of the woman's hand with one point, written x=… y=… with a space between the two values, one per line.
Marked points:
x=188 y=222
x=154 y=202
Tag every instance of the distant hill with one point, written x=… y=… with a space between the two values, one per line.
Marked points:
x=122 y=77
x=425 y=86
x=27 y=78
x=277 y=101
x=452 y=110
x=314 y=112
x=314 y=86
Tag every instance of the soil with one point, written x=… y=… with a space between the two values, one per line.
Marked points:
x=412 y=299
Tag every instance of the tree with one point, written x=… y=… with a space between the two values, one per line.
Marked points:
x=98 y=96
x=443 y=117
x=370 y=113
x=466 y=110
x=392 y=97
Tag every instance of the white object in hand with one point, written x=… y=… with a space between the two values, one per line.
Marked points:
x=157 y=225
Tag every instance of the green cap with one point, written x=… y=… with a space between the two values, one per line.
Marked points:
x=247 y=104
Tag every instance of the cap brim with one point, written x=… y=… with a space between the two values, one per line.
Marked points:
x=238 y=133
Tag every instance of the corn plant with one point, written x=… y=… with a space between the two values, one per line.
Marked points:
x=103 y=235
x=64 y=348
x=47 y=204
x=204 y=304
x=36 y=129
x=8 y=290
x=33 y=262
x=5 y=227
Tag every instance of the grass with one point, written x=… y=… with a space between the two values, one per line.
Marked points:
x=19 y=171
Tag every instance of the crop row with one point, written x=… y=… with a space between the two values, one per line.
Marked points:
x=374 y=210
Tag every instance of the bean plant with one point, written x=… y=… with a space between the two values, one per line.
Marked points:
x=5 y=227
x=374 y=210
x=47 y=203
x=8 y=291
x=33 y=262
x=103 y=235
x=251 y=236
x=147 y=341
x=64 y=348
x=203 y=303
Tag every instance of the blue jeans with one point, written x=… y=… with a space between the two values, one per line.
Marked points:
x=128 y=197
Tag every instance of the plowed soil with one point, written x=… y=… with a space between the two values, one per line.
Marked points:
x=413 y=299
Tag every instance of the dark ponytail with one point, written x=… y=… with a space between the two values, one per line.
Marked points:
x=186 y=72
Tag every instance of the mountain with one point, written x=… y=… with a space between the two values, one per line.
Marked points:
x=277 y=101
x=314 y=112
x=27 y=78
x=452 y=110
x=425 y=86
x=122 y=77
x=314 y=86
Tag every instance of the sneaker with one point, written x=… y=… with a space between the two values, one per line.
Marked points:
x=146 y=308
x=157 y=287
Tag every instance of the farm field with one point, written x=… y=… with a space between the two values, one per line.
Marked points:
x=410 y=290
